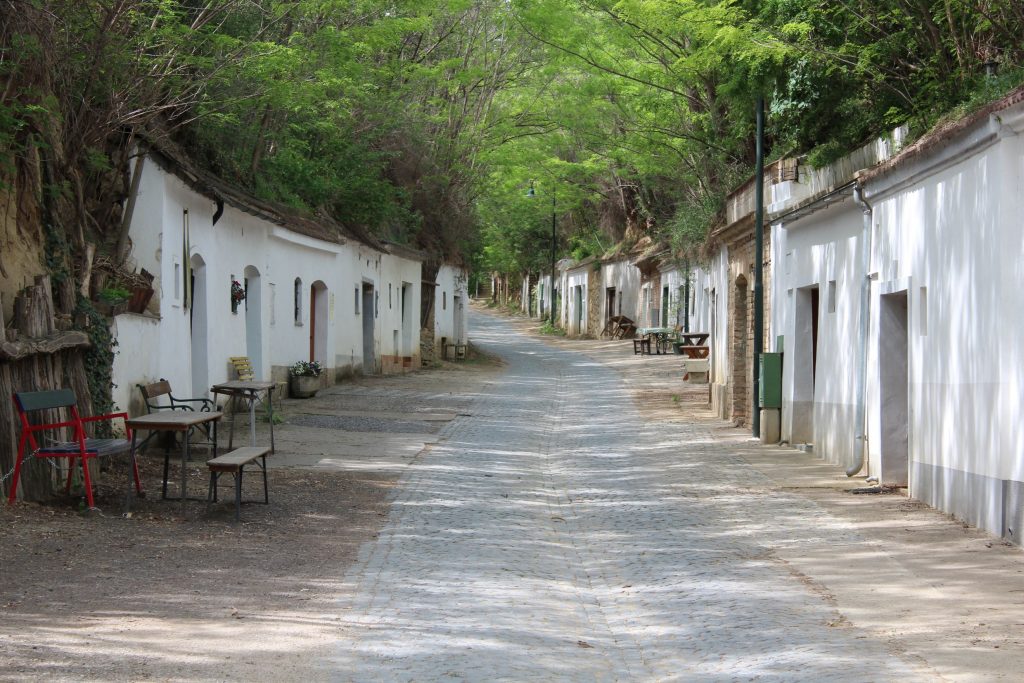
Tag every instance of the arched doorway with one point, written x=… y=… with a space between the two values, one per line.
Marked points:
x=199 y=326
x=254 y=320
x=318 y=319
x=741 y=335
x=369 y=309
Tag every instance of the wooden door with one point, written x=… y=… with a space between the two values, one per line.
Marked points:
x=312 y=324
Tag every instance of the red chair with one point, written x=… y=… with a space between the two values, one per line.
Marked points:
x=81 y=446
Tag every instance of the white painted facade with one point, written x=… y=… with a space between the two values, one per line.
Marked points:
x=673 y=281
x=300 y=302
x=620 y=289
x=945 y=307
x=574 y=281
x=451 y=297
x=819 y=272
x=717 y=286
x=544 y=293
x=399 y=322
x=943 y=371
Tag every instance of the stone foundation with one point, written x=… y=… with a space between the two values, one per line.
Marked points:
x=396 y=365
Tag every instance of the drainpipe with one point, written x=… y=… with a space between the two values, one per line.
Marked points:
x=860 y=439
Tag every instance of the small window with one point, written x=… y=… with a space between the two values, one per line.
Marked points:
x=273 y=302
x=390 y=305
x=444 y=301
x=923 y=314
x=298 y=301
x=831 y=296
x=357 y=301
x=177 y=280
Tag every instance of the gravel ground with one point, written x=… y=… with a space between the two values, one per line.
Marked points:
x=162 y=596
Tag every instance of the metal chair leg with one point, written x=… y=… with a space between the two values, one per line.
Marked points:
x=167 y=466
x=211 y=492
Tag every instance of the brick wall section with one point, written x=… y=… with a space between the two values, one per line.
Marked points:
x=741 y=323
x=595 y=299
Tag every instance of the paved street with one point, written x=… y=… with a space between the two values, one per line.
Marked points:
x=555 y=534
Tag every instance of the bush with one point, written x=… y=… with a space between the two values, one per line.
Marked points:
x=303 y=368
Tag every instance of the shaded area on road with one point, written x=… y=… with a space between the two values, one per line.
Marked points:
x=200 y=598
x=558 y=535
x=365 y=424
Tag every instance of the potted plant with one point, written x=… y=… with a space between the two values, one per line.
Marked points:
x=237 y=295
x=113 y=299
x=304 y=378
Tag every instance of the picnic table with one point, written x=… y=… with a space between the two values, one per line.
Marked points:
x=692 y=344
x=658 y=335
x=175 y=421
x=693 y=338
x=248 y=390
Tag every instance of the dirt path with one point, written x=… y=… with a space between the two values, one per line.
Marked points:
x=157 y=596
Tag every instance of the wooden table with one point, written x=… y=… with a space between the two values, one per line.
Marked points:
x=695 y=351
x=693 y=338
x=248 y=390
x=175 y=421
x=659 y=335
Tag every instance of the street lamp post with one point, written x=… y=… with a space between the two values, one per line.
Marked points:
x=552 y=258
x=531 y=193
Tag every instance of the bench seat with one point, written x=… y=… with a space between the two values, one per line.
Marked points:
x=235 y=462
x=97 y=447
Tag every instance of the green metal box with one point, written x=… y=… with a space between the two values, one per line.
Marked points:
x=770 y=381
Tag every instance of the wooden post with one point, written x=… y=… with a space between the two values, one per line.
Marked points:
x=41 y=358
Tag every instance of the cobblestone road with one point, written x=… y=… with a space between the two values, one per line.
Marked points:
x=552 y=534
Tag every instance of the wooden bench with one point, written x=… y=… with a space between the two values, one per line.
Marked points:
x=235 y=462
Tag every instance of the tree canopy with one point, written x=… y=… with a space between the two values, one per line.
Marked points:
x=426 y=121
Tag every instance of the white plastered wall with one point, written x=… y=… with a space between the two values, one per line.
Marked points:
x=265 y=327
x=625 y=278
x=947 y=231
x=819 y=251
x=574 y=316
x=717 y=288
x=449 y=323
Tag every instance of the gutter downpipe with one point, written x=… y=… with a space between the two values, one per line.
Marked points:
x=860 y=439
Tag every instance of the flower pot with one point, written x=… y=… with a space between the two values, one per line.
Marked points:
x=303 y=386
x=140 y=299
x=111 y=308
